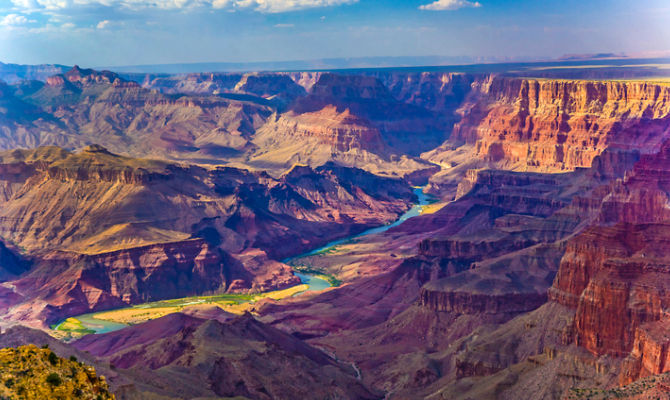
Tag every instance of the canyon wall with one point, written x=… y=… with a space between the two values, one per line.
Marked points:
x=558 y=125
x=378 y=120
x=614 y=274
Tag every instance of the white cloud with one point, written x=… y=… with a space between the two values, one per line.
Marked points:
x=284 y=26
x=265 y=6
x=276 y=6
x=221 y=3
x=102 y=24
x=24 y=3
x=42 y=4
x=440 y=5
x=68 y=25
x=14 y=20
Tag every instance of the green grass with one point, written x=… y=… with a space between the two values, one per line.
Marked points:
x=231 y=298
x=72 y=325
x=327 y=251
x=318 y=273
x=235 y=303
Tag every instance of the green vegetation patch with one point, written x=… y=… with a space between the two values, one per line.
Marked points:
x=303 y=269
x=72 y=325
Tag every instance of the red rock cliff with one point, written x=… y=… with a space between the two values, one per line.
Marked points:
x=615 y=274
x=554 y=125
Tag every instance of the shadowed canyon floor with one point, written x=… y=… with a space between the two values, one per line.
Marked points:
x=178 y=209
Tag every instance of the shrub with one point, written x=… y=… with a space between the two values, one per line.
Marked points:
x=53 y=379
x=53 y=358
x=73 y=358
x=9 y=382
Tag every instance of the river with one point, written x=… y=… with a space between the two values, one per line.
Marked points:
x=424 y=199
x=314 y=282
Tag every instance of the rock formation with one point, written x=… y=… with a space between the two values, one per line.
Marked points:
x=614 y=273
x=83 y=220
x=239 y=357
x=545 y=125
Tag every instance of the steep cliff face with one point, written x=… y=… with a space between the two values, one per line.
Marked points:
x=271 y=86
x=374 y=119
x=465 y=302
x=441 y=92
x=204 y=83
x=339 y=131
x=353 y=120
x=650 y=354
x=369 y=99
x=615 y=272
x=634 y=291
x=557 y=125
x=11 y=265
x=470 y=250
x=63 y=283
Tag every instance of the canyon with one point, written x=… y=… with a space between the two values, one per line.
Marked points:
x=103 y=230
x=538 y=271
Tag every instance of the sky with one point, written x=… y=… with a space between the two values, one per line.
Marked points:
x=135 y=32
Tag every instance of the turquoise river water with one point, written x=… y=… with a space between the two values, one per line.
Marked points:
x=314 y=282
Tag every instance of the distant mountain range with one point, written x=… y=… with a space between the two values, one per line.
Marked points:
x=12 y=73
x=616 y=65
x=302 y=65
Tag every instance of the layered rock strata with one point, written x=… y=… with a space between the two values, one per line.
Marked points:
x=558 y=125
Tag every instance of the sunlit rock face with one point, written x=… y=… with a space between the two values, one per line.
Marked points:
x=554 y=125
x=615 y=272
